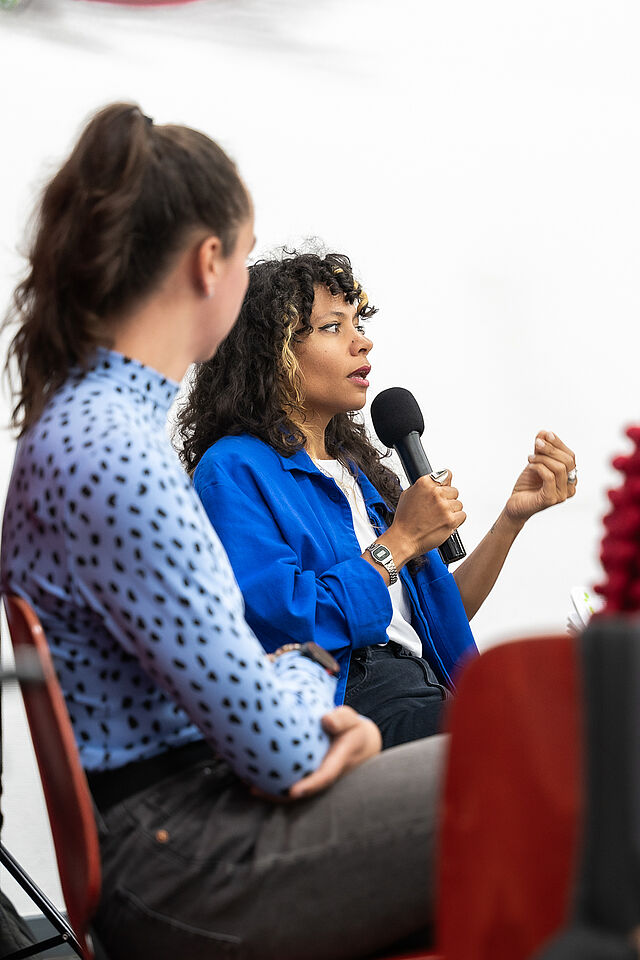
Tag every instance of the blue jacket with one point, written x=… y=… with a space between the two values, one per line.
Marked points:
x=288 y=531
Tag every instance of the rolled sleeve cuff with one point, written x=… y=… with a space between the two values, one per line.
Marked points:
x=364 y=597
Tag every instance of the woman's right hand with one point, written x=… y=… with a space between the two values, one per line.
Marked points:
x=427 y=513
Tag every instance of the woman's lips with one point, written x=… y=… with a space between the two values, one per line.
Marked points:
x=359 y=376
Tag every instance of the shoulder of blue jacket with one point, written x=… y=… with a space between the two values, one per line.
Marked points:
x=237 y=451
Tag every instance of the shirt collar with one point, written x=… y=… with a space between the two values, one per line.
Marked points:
x=134 y=377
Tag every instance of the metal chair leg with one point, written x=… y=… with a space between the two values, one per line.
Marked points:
x=49 y=910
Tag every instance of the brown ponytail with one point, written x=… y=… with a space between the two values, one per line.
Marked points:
x=122 y=205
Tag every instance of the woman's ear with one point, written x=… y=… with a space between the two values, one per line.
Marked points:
x=208 y=264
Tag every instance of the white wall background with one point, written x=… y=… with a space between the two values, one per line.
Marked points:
x=479 y=163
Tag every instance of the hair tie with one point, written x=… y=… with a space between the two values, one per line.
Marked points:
x=148 y=120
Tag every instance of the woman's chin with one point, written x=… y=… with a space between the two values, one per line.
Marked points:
x=354 y=405
x=351 y=405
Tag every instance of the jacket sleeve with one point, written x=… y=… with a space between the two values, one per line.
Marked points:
x=442 y=606
x=345 y=606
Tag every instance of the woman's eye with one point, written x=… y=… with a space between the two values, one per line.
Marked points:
x=360 y=328
x=331 y=327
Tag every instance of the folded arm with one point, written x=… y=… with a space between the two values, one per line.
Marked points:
x=172 y=602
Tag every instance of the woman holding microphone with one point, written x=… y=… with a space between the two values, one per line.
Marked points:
x=188 y=732
x=303 y=502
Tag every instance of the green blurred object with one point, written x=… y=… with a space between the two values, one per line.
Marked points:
x=8 y=4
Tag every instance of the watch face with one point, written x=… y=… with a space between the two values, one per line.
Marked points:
x=315 y=652
x=380 y=553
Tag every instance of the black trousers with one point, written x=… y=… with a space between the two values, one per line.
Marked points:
x=398 y=691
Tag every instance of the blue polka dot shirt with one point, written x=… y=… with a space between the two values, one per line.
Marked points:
x=105 y=536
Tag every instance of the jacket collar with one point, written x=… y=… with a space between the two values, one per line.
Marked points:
x=301 y=462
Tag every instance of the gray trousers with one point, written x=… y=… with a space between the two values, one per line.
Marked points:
x=195 y=867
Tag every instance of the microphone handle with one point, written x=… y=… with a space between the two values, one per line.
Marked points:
x=416 y=464
x=452 y=549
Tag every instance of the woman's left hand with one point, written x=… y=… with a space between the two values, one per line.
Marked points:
x=545 y=481
x=354 y=739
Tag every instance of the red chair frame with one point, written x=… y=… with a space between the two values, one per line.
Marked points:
x=64 y=784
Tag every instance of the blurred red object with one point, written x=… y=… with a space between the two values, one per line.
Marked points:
x=144 y=3
x=513 y=801
x=620 y=550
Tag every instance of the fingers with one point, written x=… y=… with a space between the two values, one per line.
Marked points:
x=557 y=457
x=328 y=771
x=339 y=720
x=444 y=492
x=354 y=739
x=444 y=509
x=443 y=477
x=436 y=488
x=553 y=440
x=547 y=493
x=455 y=513
x=427 y=513
x=459 y=518
x=554 y=448
x=559 y=472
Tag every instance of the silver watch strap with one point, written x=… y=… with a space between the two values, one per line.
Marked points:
x=382 y=555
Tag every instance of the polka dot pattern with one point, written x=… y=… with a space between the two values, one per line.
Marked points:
x=105 y=536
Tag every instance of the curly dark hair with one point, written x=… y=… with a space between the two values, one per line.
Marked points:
x=253 y=384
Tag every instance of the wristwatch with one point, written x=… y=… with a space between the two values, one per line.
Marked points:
x=382 y=555
x=313 y=651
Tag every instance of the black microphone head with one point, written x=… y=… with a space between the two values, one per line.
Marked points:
x=395 y=413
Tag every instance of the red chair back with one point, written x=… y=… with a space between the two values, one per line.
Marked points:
x=64 y=784
x=512 y=801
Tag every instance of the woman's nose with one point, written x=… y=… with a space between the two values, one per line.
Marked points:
x=360 y=344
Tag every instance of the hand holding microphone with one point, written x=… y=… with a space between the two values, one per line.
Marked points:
x=429 y=512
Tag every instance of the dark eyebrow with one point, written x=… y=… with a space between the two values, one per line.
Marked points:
x=333 y=313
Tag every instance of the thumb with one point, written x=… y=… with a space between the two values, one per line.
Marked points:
x=339 y=720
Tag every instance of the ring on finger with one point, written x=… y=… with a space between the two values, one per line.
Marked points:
x=572 y=476
x=439 y=476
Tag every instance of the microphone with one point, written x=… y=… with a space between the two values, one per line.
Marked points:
x=398 y=422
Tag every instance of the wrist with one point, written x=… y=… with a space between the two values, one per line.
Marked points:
x=508 y=524
x=381 y=554
x=402 y=549
x=311 y=651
